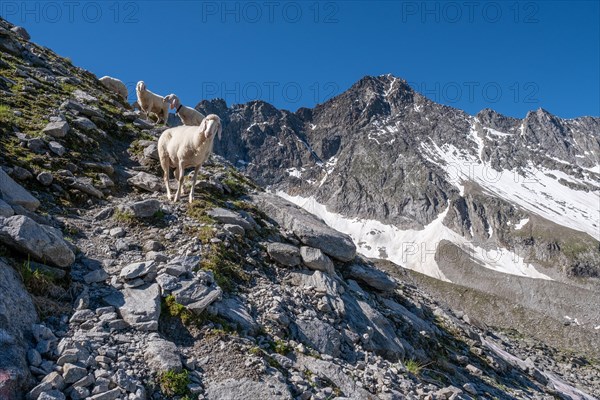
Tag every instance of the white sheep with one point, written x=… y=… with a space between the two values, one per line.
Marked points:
x=115 y=85
x=151 y=103
x=188 y=115
x=187 y=146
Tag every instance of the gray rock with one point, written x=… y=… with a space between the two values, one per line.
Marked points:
x=162 y=355
x=96 y=276
x=151 y=151
x=167 y=282
x=21 y=174
x=17 y=307
x=82 y=315
x=56 y=129
x=72 y=373
x=139 y=307
x=51 y=395
x=57 y=148
x=145 y=208
x=45 y=178
x=5 y=209
x=376 y=279
x=36 y=145
x=146 y=181
x=22 y=32
x=242 y=389
x=233 y=310
x=229 y=217
x=108 y=395
x=13 y=193
x=117 y=232
x=195 y=295
x=34 y=357
x=308 y=228
x=319 y=335
x=234 y=229
x=85 y=185
x=334 y=373
x=137 y=270
x=84 y=97
x=284 y=254
x=314 y=258
x=55 y=380
x=41 y=241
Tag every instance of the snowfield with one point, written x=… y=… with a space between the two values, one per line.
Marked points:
x=415 y=249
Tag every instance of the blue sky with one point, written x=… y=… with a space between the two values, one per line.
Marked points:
x=512 y=56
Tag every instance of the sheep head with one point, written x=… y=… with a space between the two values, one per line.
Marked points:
x=172 y=100
x=141 y=86
x=210 y=126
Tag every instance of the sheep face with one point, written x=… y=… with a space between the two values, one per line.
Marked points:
x=141 y=86
x=211 y=125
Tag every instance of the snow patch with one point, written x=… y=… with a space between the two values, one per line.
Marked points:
x=521 y=224
x=415 y=249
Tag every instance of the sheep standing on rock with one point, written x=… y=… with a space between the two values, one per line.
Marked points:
x=151 y=103
x=187 y=146
x=115 y=85
x=188 y=115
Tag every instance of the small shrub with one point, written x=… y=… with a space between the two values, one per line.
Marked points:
x=414 y=367
x=174 y=309
x=174 y=383
x=124 y=217
x=6 y=114
x=36 y=281
x=281 y=347
x=225 y=266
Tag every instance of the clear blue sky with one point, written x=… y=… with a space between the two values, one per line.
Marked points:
x=512 y=56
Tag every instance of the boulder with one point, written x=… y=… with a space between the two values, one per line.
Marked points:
x=13 y=193
x=269 y=388
x=5 y=209
x=139 y=306
x=22 y=32
x=17 y=315
x=56 y=129
x=225 y=216
x=137 y=270
x=85 y=185
x=43 y=242
x=314 y=258
x=319 y=335
x=376 y=279
x=162 y=355
x=234 y=311
x=284 y=254
x=146 y=181
x=309 y=229
x=144 y=208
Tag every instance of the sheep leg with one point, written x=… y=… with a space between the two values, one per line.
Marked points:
x=166 y=168
x=180 y=177
x=194 y=183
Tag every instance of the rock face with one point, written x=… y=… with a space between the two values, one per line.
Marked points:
x=13 y=193
x=43 y=242
x=17 y=315
x=307 y=227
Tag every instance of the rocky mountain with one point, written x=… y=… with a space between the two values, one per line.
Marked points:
x=109 y=291
x=506 y=209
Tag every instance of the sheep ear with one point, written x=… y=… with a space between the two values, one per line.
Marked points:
x=220 y=131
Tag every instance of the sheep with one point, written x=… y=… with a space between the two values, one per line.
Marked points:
x=188 y=115
x=115 y=85
x=187 y=146
x=151 y=103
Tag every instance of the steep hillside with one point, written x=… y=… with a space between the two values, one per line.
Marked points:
x=109 y=291
x=474 y=200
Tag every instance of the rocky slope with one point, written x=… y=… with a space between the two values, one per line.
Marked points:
x=493 y=204
x=108 y=291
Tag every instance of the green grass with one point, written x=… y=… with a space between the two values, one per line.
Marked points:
x=225 y=264
x=36 y=281
x=281 y=347
x=174 y=383
x=124 y=217
x=6 y=115
x=414 y=367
